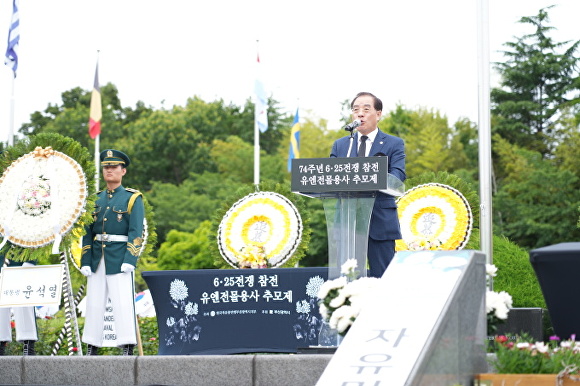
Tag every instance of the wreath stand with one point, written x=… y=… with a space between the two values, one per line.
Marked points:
x=71 y=325
x=50 y=203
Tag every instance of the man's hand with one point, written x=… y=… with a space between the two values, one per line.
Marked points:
x=86 y=270
x=127 y=268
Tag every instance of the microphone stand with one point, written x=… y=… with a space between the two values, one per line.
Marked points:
x=351 y=141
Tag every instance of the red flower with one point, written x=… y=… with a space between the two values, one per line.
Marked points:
x=12 y=324
x=75 y=349
x=501 y=339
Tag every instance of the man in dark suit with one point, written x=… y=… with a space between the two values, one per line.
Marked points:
x=384 y=227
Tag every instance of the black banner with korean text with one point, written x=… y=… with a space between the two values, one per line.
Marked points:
x=229 y=311
x=352 y=174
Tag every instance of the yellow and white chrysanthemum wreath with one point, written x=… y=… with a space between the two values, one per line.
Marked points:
x=437 y=213
x=264 y=219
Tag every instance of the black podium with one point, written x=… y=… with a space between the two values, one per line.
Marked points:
x=348 y=187
x=557 y=267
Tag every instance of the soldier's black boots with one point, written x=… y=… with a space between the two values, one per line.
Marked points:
x=128 y=349
x=28 y=348
x=92 y=350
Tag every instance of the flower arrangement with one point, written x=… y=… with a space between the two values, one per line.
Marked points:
x=422 y=243
x=34 y=198
x=497 y=304
x=525 y=357
x=252 y=256
x=341 y=299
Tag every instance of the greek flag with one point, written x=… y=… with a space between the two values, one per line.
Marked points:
x=13 y=39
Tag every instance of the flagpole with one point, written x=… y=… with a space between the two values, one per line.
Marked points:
x=256 y=132
x=256 y=149
x=11 y=124
x=97 y=152
x=484 y=132
x=97 y=143
x=12 y=61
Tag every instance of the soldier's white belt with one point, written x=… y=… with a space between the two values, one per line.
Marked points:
x=121 y=238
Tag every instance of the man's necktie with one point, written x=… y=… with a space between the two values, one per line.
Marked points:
x=362 y=149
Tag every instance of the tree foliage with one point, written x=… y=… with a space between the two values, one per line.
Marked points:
x=191 y=160
x=539 y=79
x=187 y=250
x=184 y=207
x=430 y=144
x=535 y=202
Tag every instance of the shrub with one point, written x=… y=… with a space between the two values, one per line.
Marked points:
x=515 y=273
x=49 y=331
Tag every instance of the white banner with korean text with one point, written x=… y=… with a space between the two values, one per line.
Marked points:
x=39 y=285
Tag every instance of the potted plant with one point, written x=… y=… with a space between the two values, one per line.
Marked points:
x=522 y=362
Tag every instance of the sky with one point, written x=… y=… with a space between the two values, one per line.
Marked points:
x=314 y=54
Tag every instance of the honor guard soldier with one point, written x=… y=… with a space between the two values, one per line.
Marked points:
x=24 y=320
x=110 y=250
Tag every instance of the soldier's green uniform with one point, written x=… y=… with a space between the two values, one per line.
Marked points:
x=119 y=212
x=111 y=245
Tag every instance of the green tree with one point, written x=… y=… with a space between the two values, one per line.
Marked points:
x=235 y=158
x=430 y=144
x=464 y=141
x=537 y=83
x=72 y=116
x=536 y=201
x=317 y=253
x=185 y=206
x=315 y=139
x=568 y=152
x=165 y=147
x=184 y=250
x=397 y=122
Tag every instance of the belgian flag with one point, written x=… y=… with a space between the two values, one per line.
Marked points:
x=96 y=109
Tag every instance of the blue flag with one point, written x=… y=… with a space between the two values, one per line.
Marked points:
x=294 y=151
x=13 y=39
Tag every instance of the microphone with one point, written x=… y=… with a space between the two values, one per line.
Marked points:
x=352 y=126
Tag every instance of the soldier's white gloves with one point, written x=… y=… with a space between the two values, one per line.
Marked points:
x=127 y=268
x=86 y=270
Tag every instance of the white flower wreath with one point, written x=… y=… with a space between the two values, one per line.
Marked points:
x=42 y=195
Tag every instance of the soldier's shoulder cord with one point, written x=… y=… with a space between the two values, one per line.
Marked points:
x=136 y=194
